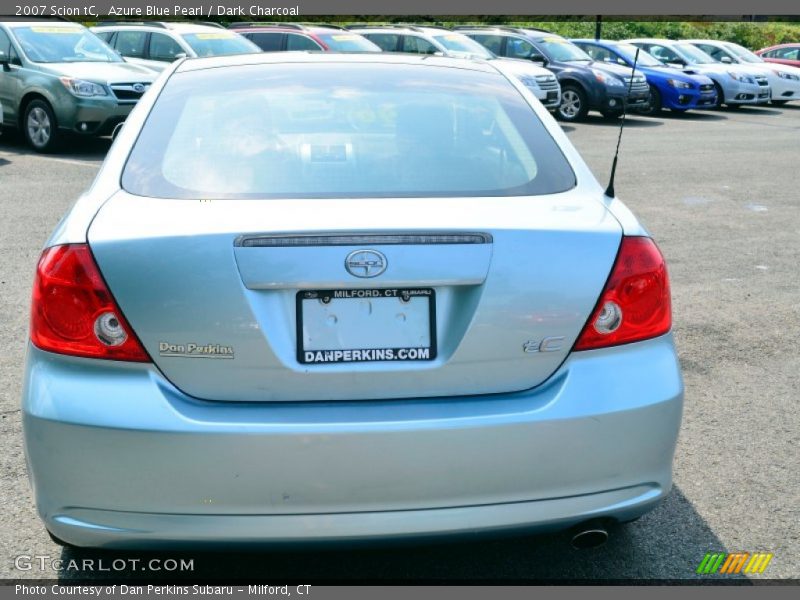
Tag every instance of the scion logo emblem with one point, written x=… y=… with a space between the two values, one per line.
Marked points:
x=138 y=88
x=365 y=263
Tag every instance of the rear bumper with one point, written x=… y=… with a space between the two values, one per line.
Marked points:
x=119 y=458
x=131 y=530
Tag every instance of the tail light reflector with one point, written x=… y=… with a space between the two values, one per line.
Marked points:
x=73 y=312
x=635 y=304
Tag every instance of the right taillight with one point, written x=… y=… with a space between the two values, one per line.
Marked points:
x=635 y=304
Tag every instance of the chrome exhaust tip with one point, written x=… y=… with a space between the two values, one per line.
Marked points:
x=589 y=535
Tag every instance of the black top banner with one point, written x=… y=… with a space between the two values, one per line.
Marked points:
x=264 y=9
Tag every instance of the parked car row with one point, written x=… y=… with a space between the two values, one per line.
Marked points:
x=669 y=87
x=591 y=74
x=58 y=77
x=680 y=75
x=438 y=40
x=586 y=84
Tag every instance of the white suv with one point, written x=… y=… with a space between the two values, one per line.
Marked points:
x=155 y=44
x=438 y=40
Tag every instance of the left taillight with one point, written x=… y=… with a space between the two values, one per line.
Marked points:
x=73 y=312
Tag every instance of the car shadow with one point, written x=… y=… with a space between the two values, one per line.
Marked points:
x=668 y=543
x=753 y=110
x=631 y=120
x=693 y=115
x=89 y=149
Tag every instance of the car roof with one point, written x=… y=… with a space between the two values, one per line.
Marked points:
x=599 y=42
x=303 y=57
x=785 y=45
x=425 y=29
x=540 y=35
x=177 y=27
x=709 y=42
x=286 y=27
x=39 y=23
x=662 y=41
x=531 y=32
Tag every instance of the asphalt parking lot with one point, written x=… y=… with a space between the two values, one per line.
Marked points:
x=719 y=192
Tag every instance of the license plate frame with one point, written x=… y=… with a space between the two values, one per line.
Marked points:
x=366 y=355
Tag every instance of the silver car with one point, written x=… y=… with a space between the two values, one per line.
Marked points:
x=736 y=85
x=328 y=297
x=784 y=80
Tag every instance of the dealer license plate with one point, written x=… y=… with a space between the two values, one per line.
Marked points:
x=366 y=325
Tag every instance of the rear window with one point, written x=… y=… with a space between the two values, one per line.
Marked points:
x=337 y=130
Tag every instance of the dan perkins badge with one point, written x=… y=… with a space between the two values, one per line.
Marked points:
x=195 y=350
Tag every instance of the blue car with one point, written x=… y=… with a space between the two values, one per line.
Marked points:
x=346 y=340
x=669 y=87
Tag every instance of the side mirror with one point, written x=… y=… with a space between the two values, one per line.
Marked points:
x=180 y=55
x=676 y=64
x=726 y=59
x=539 y=58
x=4 y=60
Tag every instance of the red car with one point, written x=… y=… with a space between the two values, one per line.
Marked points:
x=785 y=54
x=278 y=37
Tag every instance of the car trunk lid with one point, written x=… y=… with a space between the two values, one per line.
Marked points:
x=498 y=290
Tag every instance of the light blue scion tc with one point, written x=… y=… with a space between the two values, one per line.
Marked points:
x=318 y=297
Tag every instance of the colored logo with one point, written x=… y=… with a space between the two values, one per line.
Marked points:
x=738 y=562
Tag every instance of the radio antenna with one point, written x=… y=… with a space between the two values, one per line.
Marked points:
x=610 y=189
